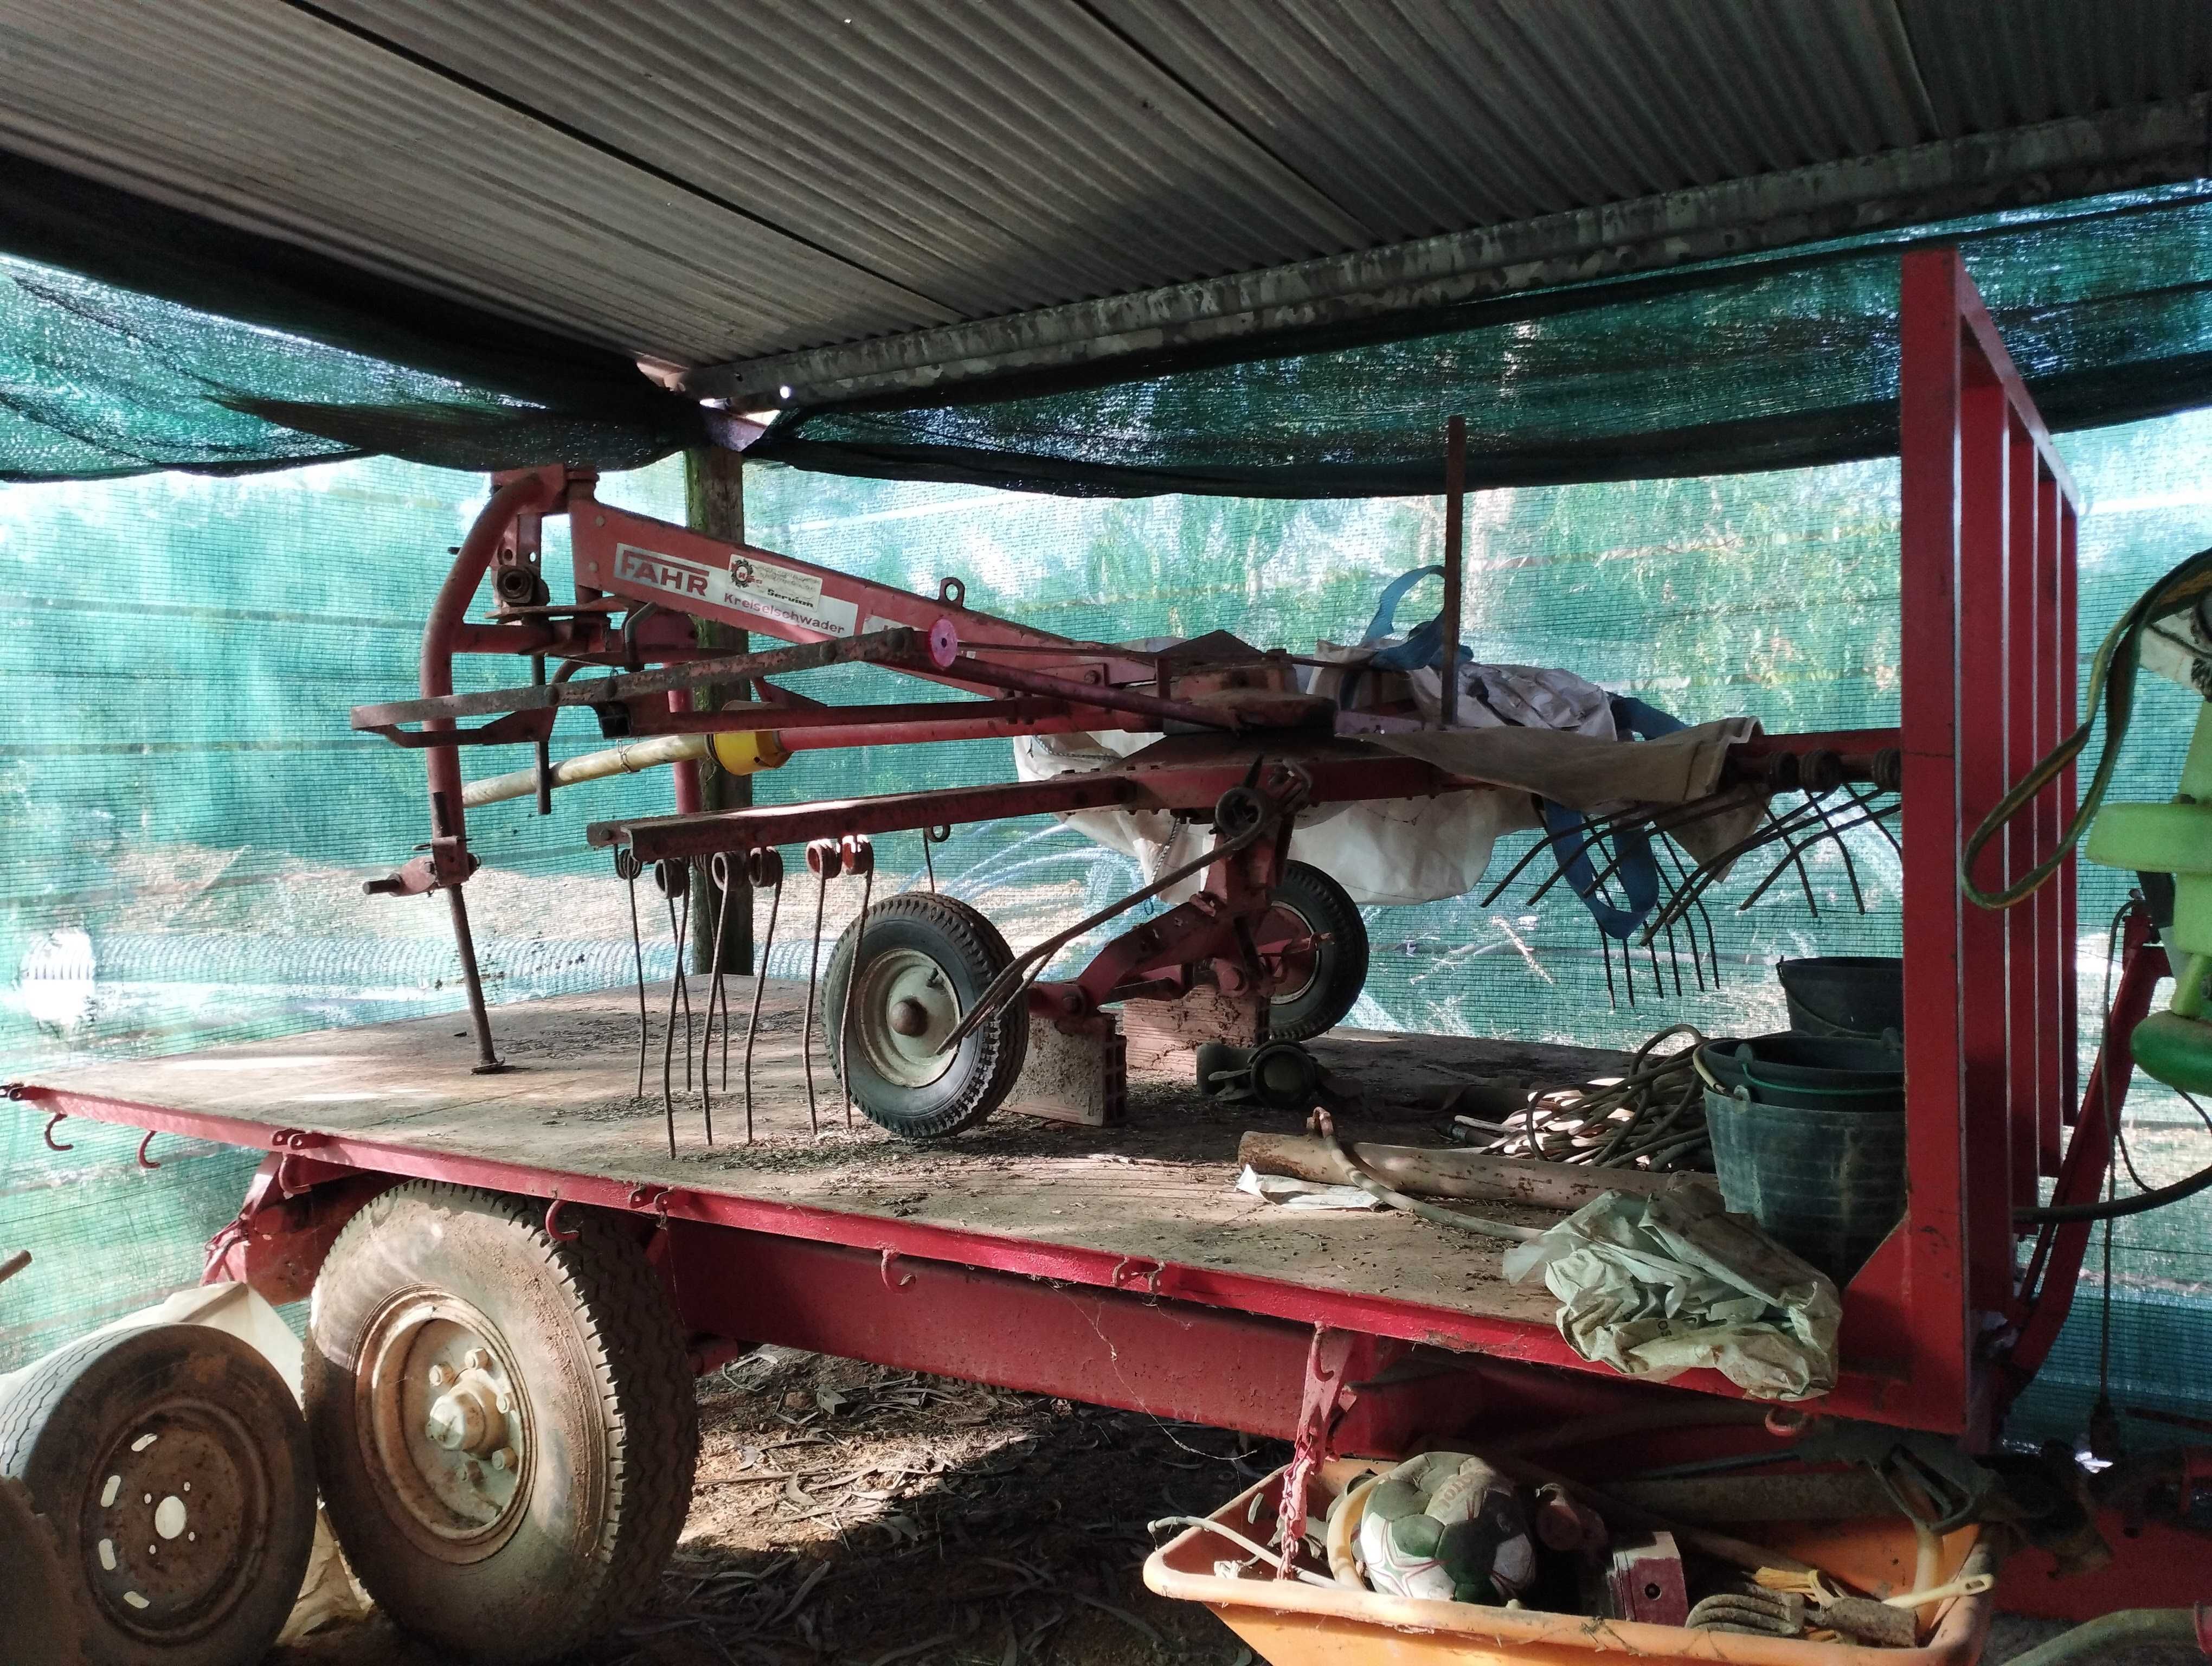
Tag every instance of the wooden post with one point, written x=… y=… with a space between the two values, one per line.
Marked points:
x=714 y=504
x=1454 y=561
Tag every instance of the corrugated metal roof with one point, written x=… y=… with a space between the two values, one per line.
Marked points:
x=715 y=181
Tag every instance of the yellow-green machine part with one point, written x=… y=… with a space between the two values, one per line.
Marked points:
x=2174 y=1046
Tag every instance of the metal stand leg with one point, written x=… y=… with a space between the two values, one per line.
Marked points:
x=488 y=1060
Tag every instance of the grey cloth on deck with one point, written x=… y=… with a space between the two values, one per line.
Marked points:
x=1577 y=771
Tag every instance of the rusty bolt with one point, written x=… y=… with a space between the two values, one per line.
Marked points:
x=505 y=1402
x=505 y=1459
x=439 y=1375
x=476 y=1359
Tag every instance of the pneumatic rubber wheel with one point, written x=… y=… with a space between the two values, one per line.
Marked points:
x=923 y=962
x=505 y=1424
x=1319 y=984
x=172 y=1466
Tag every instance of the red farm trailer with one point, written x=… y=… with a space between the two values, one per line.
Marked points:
x=517 y=1260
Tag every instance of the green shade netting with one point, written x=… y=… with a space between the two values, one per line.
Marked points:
x=1759 y=362
x=135 y=336
x=98 y=381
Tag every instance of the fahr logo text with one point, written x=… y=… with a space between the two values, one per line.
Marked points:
x=661 y=572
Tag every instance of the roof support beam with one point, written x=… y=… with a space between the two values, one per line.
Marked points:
x=2144 y=145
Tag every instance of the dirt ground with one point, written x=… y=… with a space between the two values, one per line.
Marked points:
x=847 y=1513
x=851 y=1515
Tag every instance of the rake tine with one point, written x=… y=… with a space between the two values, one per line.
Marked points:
x=771 y=869
x=679 y=928
x=628 y=866
x=845 y=1018
x=1851 y=868
x=718 y=873
x=1875 y=816
x=822 y=862
x=1675 y=856
x=1662 y=821
x=683 y=973
x=1865 y=802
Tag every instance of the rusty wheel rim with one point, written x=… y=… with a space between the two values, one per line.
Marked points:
x=446 y=1425
x=175 y=1523
x=1299 y=967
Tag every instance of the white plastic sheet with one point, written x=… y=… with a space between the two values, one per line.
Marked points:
x=1390 y=851
x=1658 y=1285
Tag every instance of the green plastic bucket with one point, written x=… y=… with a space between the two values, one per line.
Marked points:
x=1845 y=994
x=1827 y=1184
x=1813 y=1072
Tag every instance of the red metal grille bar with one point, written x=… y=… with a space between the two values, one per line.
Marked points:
x=1986 y=586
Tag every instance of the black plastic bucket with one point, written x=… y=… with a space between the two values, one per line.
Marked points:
x=1845 y=994
x=1811 y=1072
x=1827 y=1184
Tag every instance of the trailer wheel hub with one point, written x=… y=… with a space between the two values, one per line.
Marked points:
x=446 y=1425
x=903 y=1009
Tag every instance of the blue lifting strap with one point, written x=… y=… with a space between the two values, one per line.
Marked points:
x=1635 y=867
x=1423 y=646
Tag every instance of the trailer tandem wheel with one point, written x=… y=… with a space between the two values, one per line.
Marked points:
x=923 y=960
x=504 y=1423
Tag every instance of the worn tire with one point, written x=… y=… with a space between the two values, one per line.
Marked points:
x=599 y=1403
x=924 y=927
x=75 y=1431
x=1339 y=970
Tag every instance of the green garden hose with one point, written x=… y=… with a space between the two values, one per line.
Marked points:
x=2112 y=680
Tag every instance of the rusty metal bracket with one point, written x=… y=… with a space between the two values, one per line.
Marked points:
x=1325 y=1399
x=553 y=1222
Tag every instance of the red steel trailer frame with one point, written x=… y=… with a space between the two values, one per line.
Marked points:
x=1940 y=1329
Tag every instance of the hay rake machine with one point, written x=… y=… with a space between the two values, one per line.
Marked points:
x=925 y=1017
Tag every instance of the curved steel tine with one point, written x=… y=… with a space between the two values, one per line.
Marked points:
x=845 y=1016
x=719 y=876
x=1828 y=826
x=774 y=873
x=682 y=968
x=628 y=866
x=678 y=929
x=822 y=856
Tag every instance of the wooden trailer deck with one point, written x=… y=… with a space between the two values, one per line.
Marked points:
x=1157 y=1192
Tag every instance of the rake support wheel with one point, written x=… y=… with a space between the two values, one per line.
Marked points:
x=910 y=971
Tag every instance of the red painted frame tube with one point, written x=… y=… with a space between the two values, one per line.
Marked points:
x=441 y=635
x=798 y=726
x=1983 y=566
